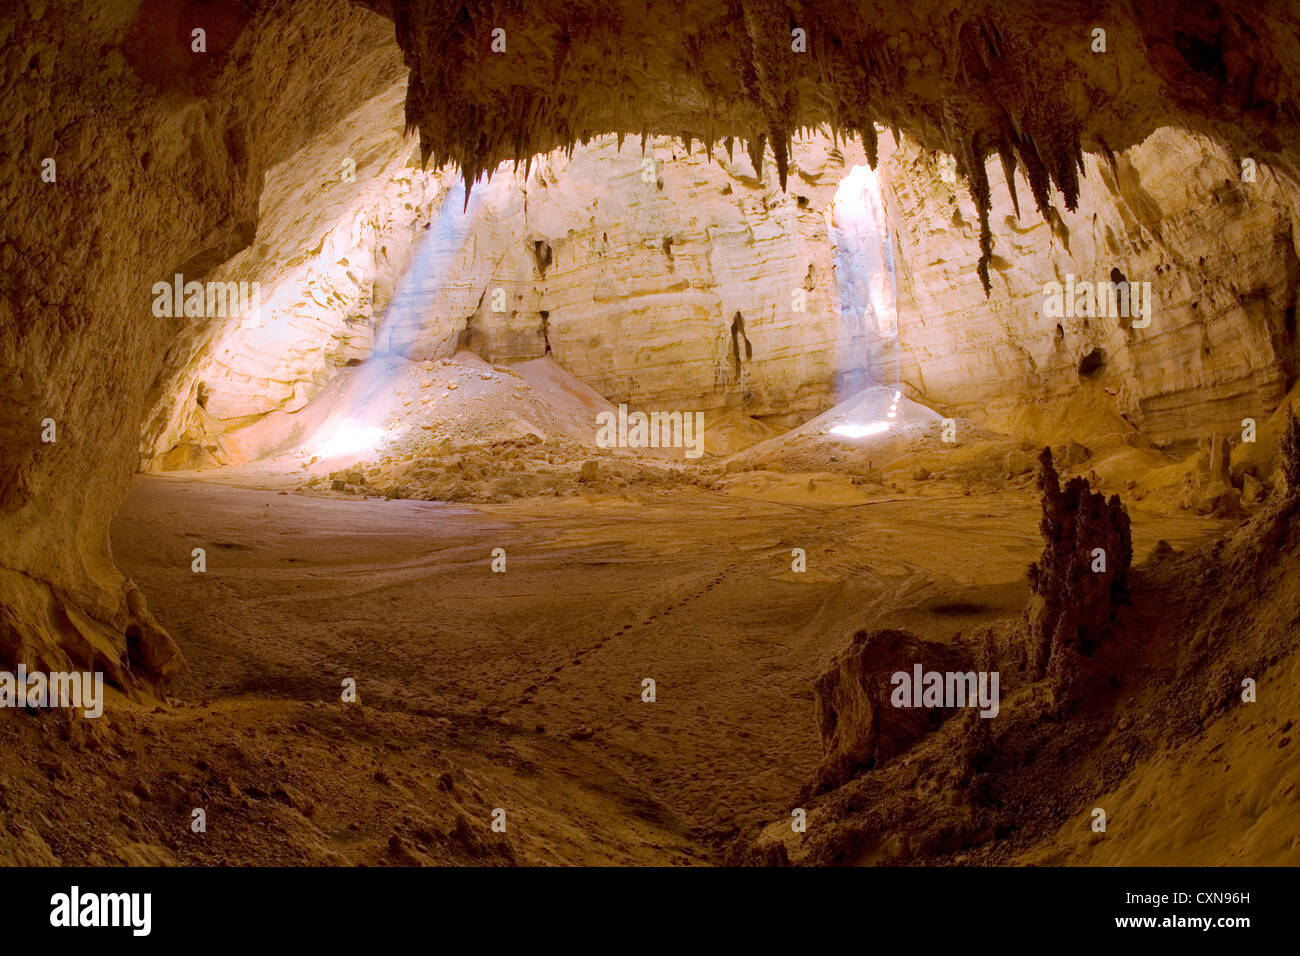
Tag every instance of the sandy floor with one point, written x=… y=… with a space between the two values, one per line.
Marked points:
x=522 y=689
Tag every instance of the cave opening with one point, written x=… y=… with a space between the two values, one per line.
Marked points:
x=471 y=458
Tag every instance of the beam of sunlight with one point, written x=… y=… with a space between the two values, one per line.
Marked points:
x=353 y=428
x=446 y=242
x=855 y=430
x=346 y=438
x=864 y=274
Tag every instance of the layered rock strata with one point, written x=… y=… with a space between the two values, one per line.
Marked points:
x=1172 y=218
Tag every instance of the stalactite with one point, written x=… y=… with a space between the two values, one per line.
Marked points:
x=979 y=190
x=777 y=92
x=869 y=143
x=757 y=143
x=781 y=153
x=1036 y=173
x=563 y=46
x=1008 y=156
x=740 y=77
x=1068 y=159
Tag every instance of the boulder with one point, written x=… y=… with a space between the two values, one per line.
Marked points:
x=1019 y=462
x=860 y=728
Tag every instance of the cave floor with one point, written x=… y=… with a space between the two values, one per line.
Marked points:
x=519 y=690
x=523 y=689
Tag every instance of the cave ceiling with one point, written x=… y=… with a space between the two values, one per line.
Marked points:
x=500 y=80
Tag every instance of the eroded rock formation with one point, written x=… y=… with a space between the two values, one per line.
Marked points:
x=162 y=149
x=1082 y=574
x=859 y=726
x=1168 y=660
x=705 y=235
x=646 y=274
x=1074 y=589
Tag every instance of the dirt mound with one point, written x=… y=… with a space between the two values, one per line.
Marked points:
x=729 y=431
x=1087 y=416
x=879 y=433
x=502 y=470
x=455 y=429
x=392 y=407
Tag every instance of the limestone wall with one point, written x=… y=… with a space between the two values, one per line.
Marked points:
x=1219 y=254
